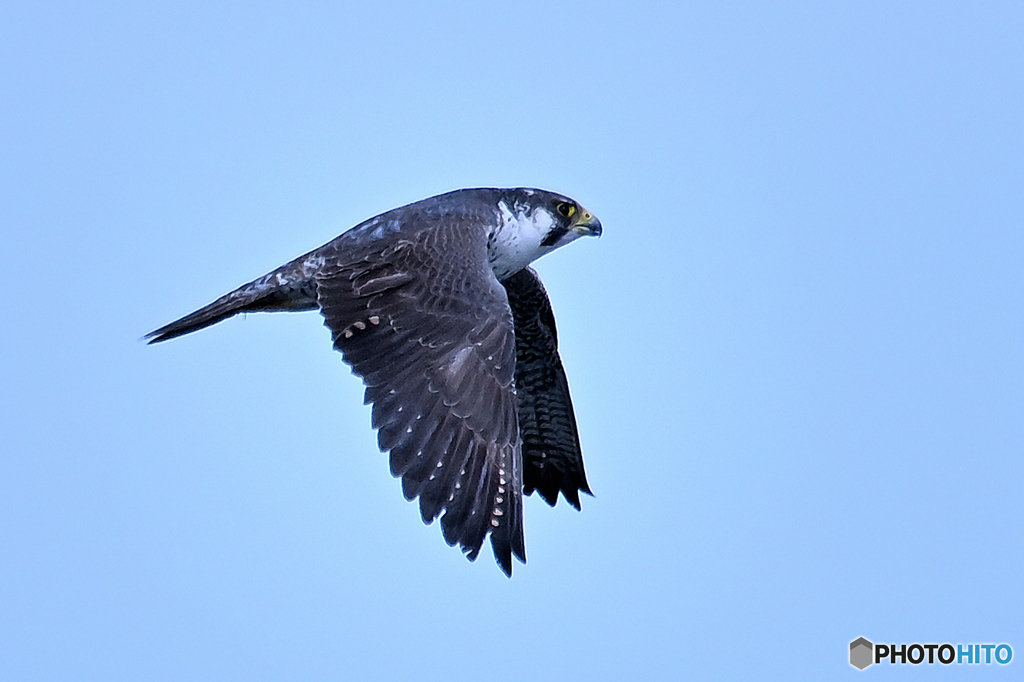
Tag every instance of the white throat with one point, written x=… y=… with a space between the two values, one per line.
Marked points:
x=516 y=241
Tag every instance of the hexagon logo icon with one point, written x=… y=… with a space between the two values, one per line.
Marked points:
x=861 y=653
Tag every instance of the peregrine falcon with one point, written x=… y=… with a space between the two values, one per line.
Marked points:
x=435 y=308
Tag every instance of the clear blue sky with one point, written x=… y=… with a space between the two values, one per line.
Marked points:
x=797 y=353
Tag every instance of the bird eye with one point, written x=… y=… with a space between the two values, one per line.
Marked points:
x=565 y=209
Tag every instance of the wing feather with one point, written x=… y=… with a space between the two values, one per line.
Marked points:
x=551 y=455
x=428 y=328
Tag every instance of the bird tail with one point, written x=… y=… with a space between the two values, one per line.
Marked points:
x=287 y=288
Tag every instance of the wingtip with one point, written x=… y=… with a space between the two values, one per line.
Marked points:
x=505 y=564
x=504 y=556
x=575 y=501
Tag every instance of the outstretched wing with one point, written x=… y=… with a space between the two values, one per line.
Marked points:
x=552 y=460
x=428 y=328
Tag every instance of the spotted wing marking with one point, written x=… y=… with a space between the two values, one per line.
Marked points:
x=428 y=329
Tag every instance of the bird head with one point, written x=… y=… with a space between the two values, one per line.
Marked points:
x=533 y=222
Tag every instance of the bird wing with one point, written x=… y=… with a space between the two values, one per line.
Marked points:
x=552 y=460
x=426 y=325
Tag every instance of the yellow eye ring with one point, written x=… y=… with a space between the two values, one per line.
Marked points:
x=565 y=209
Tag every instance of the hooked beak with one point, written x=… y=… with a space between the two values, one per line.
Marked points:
x=587 y=225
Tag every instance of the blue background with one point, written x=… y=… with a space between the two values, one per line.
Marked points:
x=797 y=353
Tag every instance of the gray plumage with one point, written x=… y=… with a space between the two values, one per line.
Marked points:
x=434 y=306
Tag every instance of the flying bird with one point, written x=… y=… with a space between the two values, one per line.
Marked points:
x=434 y=306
